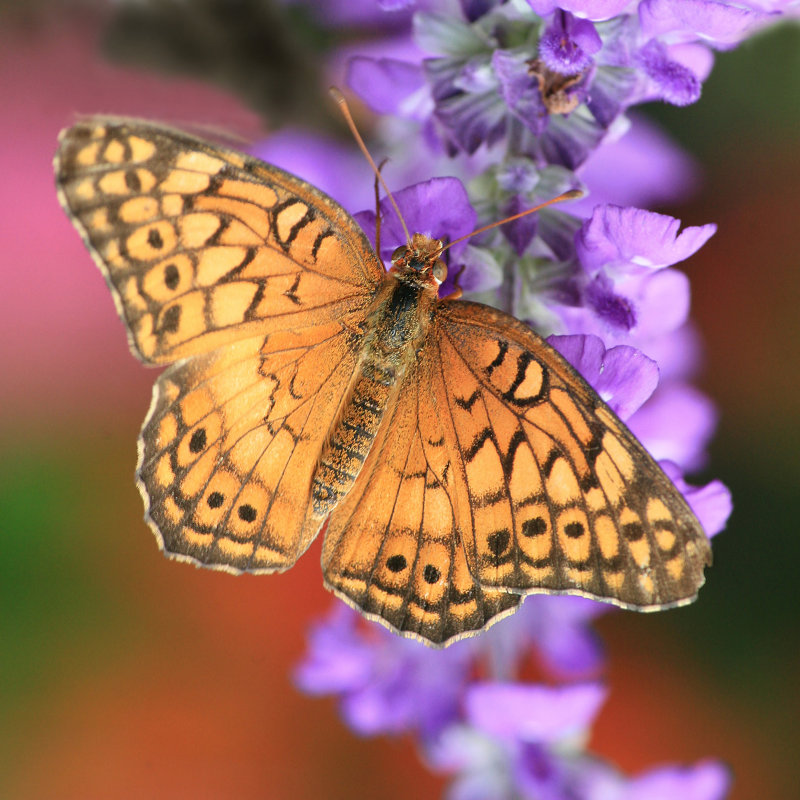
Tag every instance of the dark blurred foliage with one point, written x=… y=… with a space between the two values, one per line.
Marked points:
x=124 y=675
x=257 y=49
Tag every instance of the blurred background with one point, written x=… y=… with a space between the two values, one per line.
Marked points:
x=125 y=675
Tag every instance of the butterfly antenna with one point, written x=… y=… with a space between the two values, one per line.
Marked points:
x=572 y=194
x=345 y=109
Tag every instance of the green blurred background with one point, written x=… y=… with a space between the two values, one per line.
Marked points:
x=124 y=675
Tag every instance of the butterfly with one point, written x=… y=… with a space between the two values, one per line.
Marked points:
x=459 y=461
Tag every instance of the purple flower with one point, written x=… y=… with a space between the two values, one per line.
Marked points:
x=568 y=44
x=623 y=240
x=672 y=81
x=590 y=9
x=623 y=376
x=708 y=780
x=386 y=684
x=720 y=23
x=523 y=742
x=390 y=86
x=467 y=105
x=623 y=253
x=711 y=503
x=333 y=168
x=532 y=713
x=439 y=208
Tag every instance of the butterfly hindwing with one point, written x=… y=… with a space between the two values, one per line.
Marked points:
x=558 y=495
x=392 y=548
x=231 y=441
x=201 y=245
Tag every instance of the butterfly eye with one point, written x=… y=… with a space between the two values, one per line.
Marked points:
x=399 y=253
x=439 y=271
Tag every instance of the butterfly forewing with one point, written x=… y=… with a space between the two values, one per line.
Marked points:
x=562 y=497
x=201 y=245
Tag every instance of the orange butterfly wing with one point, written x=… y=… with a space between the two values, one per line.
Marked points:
x=200 y=245
x=501 y=473
x=555 y=492
x=231 y=442
x=260 y=283
x=393 y=547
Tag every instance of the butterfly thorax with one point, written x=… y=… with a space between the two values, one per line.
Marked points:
x=395 y=328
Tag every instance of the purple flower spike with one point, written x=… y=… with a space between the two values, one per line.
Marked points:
x=533 y=713
x=623 y=376
x=624 y=238
x=513 y=100
x=568 y=44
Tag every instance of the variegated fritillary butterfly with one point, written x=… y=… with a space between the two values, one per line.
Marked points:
x=460 y=461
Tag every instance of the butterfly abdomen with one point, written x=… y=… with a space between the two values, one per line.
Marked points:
x=394 y=329
x=348 y=448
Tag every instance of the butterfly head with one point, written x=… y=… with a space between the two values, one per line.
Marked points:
x=419 y=262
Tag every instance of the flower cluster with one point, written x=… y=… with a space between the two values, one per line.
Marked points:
x=508 y=103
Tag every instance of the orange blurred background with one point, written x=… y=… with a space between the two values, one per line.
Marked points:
x=127 y=676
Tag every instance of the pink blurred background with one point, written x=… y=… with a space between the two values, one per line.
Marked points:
x=126 y=676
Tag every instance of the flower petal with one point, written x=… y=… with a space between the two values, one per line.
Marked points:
x=623 y=376
x=712 y=503
x=717 y=22
x=708 y=780
x=568 y=44
x=439 y=208
x=674 y=83
x=676 y=424
x=385 y=84
x=617 y=236
x=530 y=712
